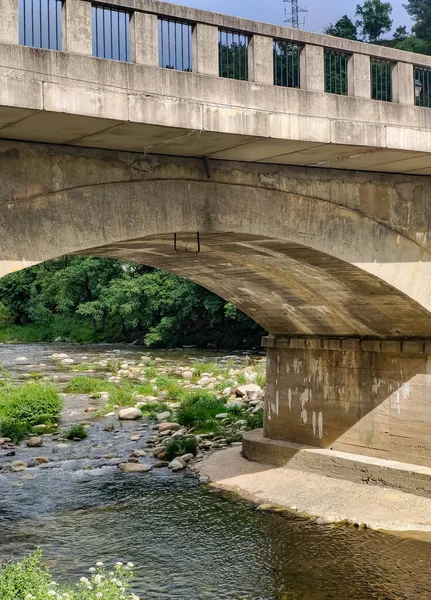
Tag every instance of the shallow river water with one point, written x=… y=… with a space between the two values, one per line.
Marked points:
x=188 y=541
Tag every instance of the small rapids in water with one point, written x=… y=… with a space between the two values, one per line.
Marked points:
x=187 y=541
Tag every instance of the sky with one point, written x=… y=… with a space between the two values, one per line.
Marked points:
x=319 y=15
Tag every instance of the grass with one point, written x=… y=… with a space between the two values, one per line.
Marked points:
x=27 y=405
x=153 y=408
x=83 y=367
x=150 y=373
x=76 y=432
x=35 y=375
x=175 y=389
x=175 y=447
x=119 y=394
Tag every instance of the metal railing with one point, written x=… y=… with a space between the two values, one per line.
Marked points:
x=287 y=64
x=40 y=23
x=422 y=86
x=381 y=79
x=175 y=44
x=336 y=69
x=111 y=33
x=233 y=54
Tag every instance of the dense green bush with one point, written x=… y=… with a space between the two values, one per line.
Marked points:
x=30 y=579
x=175 y=447
x=76 y=432
x=87 y=299
x=27 y=405
x=199 y=409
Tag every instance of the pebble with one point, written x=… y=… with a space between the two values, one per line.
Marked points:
x=169 y=427
x=19 y=465
x=91 y=409
x=163 y=416
x=21 y=359
x=135 y=438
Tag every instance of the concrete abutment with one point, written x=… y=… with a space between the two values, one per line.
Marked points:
x=368 y=397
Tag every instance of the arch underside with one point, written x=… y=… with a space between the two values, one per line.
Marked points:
x=284 y=286
x=305 y=252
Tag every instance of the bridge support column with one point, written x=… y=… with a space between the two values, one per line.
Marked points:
x=360 y=396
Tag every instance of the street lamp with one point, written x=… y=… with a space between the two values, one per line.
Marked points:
x=418 y=88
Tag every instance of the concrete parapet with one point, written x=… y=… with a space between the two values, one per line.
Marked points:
x=358 y=76
x=77 y=31
x=312 y=68
x=354 y=345
x=405 y=477
x=403 y=83
x=144 y=43
x=260 y=60
x=9 y=30
x=205 y=50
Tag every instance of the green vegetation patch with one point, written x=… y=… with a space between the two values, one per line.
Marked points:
x=76 y=432
x=199 y=409
x=27 y=405
x=175 y=447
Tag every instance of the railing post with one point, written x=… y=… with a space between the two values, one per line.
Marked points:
x=261 y=59
x=359 y=76
x=205 y=52
x=403 y=90
x=312 y=68
x=9 y=30
x=77 y=31
x=144 y=43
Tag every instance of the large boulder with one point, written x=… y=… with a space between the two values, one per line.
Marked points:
x=187 y=375
x=134 y=468
x=248 y=388
x=129 y=414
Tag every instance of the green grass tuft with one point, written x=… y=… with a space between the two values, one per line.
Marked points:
x=76 y=432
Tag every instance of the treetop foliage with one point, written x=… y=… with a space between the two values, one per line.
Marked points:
x=122 y=301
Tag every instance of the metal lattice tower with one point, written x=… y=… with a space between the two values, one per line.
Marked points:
x=293 y=19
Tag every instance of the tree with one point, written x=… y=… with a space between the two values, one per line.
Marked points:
x=374 y=19
x=401 y=33
x=420 y=12
x=343 y=28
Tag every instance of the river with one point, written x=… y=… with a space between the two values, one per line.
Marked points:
x=187 y=541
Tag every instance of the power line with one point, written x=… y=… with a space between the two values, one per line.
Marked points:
x=293 y=18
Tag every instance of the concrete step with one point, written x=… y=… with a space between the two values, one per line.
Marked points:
x=410 y=478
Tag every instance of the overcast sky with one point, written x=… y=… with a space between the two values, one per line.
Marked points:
x=320 y=13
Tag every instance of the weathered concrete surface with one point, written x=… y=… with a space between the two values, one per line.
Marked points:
x=73 y=98
x=369 y=470
x=314 y=253
x=368 y=398
x=318 y=495
x=302 y=251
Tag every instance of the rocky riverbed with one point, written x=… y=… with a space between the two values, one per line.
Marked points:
x=145 y=433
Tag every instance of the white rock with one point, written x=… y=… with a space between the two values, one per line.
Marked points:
x=204 y=381
x=67 y=361
x=21 y=359
x=130 y=414
x=134 y=468
x=221 y=416
x=163 y=416
x=226 y=391
x=187 y=457
x=243 y=390
x=187 y=375
x=176 y=465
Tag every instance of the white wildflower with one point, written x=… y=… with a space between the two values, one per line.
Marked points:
x=130 y=564
x=92 y=569
x=52 y=593
x=99 y=564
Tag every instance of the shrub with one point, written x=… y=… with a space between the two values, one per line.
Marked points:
x=199 y=408
x=76 y=432
x=255 y=421
x=15 y=430
x=83 y=384
x=31 y=403
x=175 y=447
x=150 y=373
x=30 y=579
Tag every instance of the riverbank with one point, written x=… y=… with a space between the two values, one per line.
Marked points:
x=327 y=500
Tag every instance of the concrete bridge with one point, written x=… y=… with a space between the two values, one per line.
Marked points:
x=310 y=191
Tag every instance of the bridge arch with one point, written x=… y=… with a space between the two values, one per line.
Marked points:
x=278 y=244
